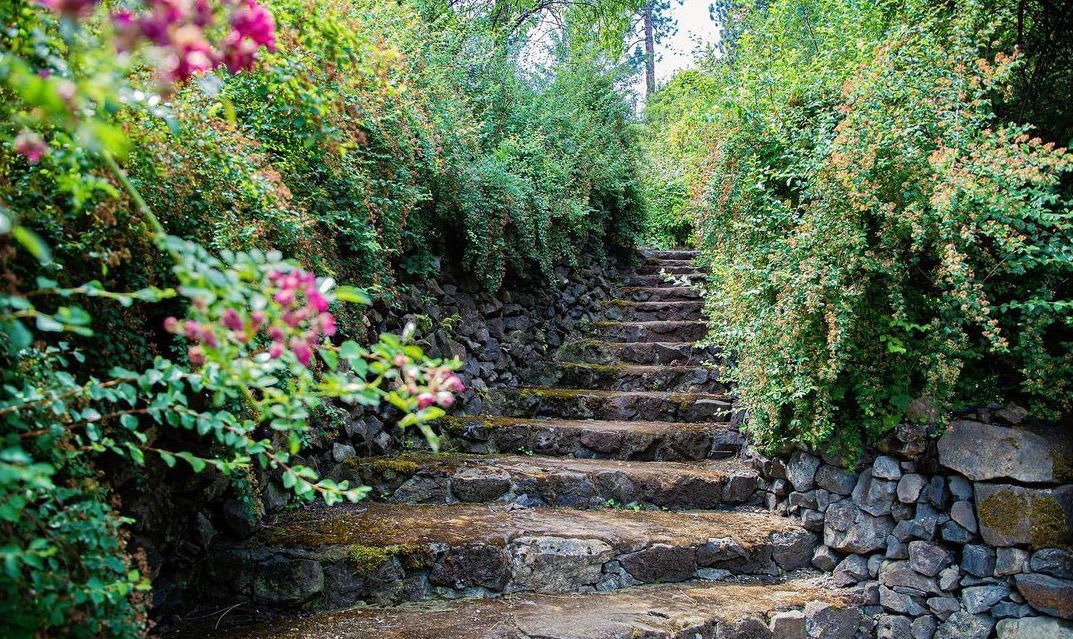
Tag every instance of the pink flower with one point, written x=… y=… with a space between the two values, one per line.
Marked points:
x=196 y=355
x=191 y=329
x=425 y=400
x=30 y=146
x=401 y=360
x=327 y=324
x=316 y=300
x=302 y=351
x=276 y=350
x=232 y=320
x=203 y=15
x=284 y=297
x=254 y=22
x=190 y=54
x=257 y=318
x=445 y=399
x=454 y=383
x=70 y=8
x=276 y=333
x=171 y=325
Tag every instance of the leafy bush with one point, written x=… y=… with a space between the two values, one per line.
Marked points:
x=879 y=225
x=161 y=221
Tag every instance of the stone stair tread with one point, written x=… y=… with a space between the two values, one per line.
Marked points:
x=656 y=331
x=590 y=425
x=626 y=377
x=573 y=403
x=675 y=254
x=658 y=293
x=559 y=481
x=677 y=611
x=619 y=352
x=575 y=393
x=658 y=281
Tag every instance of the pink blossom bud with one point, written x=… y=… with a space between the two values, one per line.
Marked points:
x=70 y=8
x=275 y=351
x=445 y=399
x=30 y=146
x=257 y=318
x=276 y=333
x=209 y=337
x=454 y=383
x=191 y=329
x=284 y=297
x=232 y=320
x=401 y=360
x=327 y=324
x=171 y=325
x=254 y=22
x=196 y=355
x=316 y=300
x=425 y=400
x=302 y=352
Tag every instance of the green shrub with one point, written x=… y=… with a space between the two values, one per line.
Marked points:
x=879 y=226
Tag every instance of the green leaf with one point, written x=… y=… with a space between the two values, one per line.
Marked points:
x=33 y=243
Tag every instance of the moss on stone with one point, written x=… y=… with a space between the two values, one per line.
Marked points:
x=366 y=559
x=1001 y=511
x=1062 y=463
x=401 y=466
x=1050 y=528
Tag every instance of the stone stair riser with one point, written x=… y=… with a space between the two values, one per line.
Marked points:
x=340 y=576
x=670 y=255
x=441 y=484
x=656 y=331
x=660 y=281
x=656 y=294
x=673 y=269
x=643 y=353
x=627 y=311
x=574 y=404
x=675 y=442
x=689 y=379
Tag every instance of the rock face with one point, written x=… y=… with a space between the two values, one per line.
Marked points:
x=988 y=451
x=1047 y=594
x=1012 y=515
x=1034 y=628
x=849 y=529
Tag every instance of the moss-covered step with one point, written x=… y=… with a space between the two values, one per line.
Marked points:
x=630 y=311
x=571 y=403
x=650 y=331
x=551 y=481
x=675 y=268
x=629 y=377
x=638 y=440
x=648 y=353
x=670 y=255
x=728 y=610
x=662 y=281
x=390 y=553
x=657 y=294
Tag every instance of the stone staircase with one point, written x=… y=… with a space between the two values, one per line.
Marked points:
x=607 y=502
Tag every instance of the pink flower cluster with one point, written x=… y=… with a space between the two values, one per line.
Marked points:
x=442 y=384
x=298 y=324
x=30 y=146
x=178 y=27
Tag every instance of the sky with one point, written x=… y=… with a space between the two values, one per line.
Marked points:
x=676 y=53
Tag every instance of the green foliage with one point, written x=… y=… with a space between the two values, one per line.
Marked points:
x=880 y=221
x=368 y=147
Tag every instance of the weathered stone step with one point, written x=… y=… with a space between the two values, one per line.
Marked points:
x=653 y=331
x=389 y=553
x=597 y=351
x=670 y=255
x=657 y=294
x=570 y=403
x=677 y=268
x=630 y=377
x=726 y=610
x=661 y=281
x=586 y=438
x=551 y=481
x=664 y=311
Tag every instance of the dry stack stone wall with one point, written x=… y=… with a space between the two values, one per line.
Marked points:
x=964 y=536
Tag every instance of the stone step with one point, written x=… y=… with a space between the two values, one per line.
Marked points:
x=551 y=481
x=740 y=609
x=572 y=403
x=630 y=377
x=389 y=553
x=661 y=281
x=651 y=353
x=652 y=331
x=664 y=311
x=679 y=254
x=683 y=268
x=656 y=294
x=586 y=438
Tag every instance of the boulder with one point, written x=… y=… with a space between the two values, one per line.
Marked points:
x=901 y=603
x=835 y=480
x=1010 y=515
x=829 y=621
x=923 y=627
x=787 y=625
x=1055 y=562
x=554 y=564
x=1049 y=595
x=792 y=549
x=850 y=570
x=979 y=599
x=910 y=487
x=1010 y=561
x=964 y=625
x=978 y=561
x=885 y=467
x=928 y=558
x=988 y=451
x=850 y=529
x=801 y=470
x=1034 y=628
x=873 y=495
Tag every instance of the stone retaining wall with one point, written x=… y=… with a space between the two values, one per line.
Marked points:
x=963 y=536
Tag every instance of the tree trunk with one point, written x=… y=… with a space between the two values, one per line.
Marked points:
x=650 y=53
